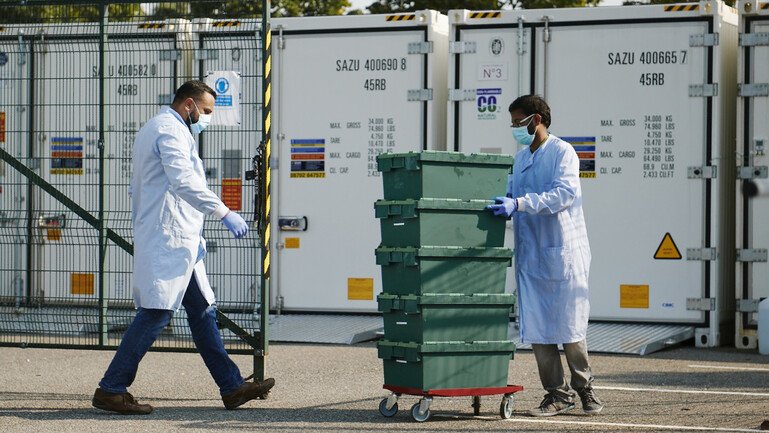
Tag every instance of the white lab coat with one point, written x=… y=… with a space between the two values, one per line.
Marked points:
x=170 y=199
x=552 y=254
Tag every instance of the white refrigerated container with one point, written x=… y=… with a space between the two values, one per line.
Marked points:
x=345 y=89
x=646 y=95
x=752 y=270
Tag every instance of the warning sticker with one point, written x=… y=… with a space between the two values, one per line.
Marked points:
x=634 y=296
x=67 y=155
x=2 y=126
x=585 y=148
x=81 y=284
x=308 y=158
x=360 y=289
x=292 y=242
x=667 y=249
x=232 y=193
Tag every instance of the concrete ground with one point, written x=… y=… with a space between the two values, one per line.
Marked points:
x=338 y=389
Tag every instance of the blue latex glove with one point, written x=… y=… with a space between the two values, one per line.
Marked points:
x=503 y=206
x=235 y=224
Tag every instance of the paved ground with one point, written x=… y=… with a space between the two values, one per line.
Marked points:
x=338 y=388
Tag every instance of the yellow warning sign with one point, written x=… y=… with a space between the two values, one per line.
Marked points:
x=53 y=234
x=292 y=242
x=667 y=249
x=634 y=296
x=360 y=289
x=81 y=284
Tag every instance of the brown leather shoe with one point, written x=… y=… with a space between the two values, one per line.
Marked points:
x=124 y=404
x=247 y=392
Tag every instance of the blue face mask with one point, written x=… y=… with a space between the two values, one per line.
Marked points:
x=521 y=134
x=203 y=121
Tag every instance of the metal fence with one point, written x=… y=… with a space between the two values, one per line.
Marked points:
x=77 y=81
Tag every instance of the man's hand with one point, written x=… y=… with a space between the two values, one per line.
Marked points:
x=235 y=224
x=503 y=206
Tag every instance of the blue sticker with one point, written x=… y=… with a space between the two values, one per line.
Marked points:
x=222 y=85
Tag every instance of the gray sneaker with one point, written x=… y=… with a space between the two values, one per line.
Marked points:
x=551 y=405
x=590 y=403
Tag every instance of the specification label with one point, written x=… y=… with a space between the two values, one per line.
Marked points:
x=642 y=147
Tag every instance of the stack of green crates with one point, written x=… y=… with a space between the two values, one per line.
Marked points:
x=445 y=310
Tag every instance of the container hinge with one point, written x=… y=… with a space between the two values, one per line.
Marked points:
x=420 y=95
x=703 y=90
x=703 y=40
x=461 y=94
x=207 y=54
x=703 y=254
x=758 y=172
x=706 y=172
x=170 y=55
x=754 y=39
x=753 y=89
x=425 y=47
x=752 y=255
x=747 y=305
x=701 y=304
x=462 y=47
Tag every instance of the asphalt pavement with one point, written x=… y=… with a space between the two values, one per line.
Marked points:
x=326 y=388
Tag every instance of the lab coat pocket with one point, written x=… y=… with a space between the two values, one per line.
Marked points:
x=556 y=263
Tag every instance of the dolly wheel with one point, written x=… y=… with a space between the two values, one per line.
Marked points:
x=385 y=411
x=419 y=416
x=506 y=407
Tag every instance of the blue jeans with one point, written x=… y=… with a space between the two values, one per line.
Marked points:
x=146 y=327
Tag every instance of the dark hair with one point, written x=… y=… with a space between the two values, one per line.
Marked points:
x=532 y=104
x=192 y=89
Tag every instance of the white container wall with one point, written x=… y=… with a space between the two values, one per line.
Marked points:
x=143 y=67
x=229 y=60
x=14 y=101
x=645 y=94
x=345 y=89
x=752 y=272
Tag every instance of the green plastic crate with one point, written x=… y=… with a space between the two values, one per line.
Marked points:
x=446 y=365
x=439 y=222
x=454 y=317
x=443 y=175
x=416 y=271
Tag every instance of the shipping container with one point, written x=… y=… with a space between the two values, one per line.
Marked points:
x=61 y=136
x=14 y=101
x=752 y=270
x=646 y=96
x=344 y=90
x=227 y=56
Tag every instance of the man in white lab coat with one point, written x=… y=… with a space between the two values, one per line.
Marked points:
x=552 y=256
x=170 y=200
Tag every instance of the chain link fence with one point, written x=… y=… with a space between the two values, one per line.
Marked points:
x=77 y=81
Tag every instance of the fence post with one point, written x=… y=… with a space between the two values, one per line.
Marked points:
x=264 y=312
x=103 y=337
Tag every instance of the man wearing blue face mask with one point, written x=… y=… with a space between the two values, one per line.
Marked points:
x=552 y=256
x=170 y=200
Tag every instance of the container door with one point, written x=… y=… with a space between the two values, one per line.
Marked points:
x=231 y=66
x=333 y=114
x=757 y=148
x=490 y=75
x=143 y=70
x=620 y=94
x=14 y=100
x=65 y=142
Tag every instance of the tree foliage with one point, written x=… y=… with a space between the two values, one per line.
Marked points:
x=68 y=13
x=395 y=6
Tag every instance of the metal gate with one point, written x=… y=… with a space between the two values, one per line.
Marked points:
x=77 y=81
